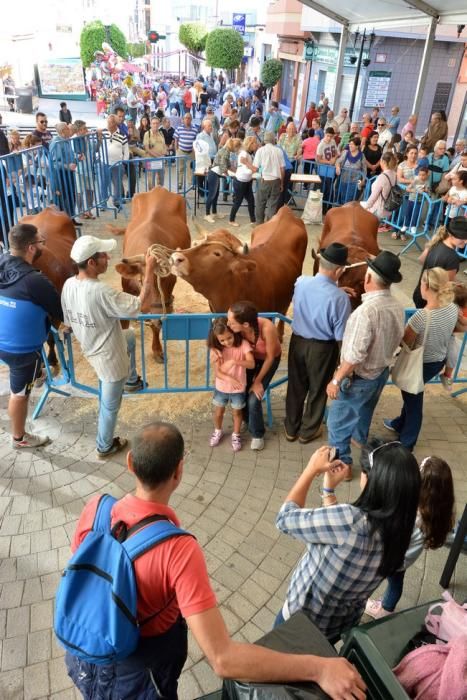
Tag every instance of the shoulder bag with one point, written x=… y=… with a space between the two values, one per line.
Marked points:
x=407 y=373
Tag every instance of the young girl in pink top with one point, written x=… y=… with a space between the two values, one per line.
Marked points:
x=231 y=356
x=310 y=144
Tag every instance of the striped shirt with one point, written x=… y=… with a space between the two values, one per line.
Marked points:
x=373 y=333
x=442 y=324
x=339 y=569
x=185 y=137
x=117 y=146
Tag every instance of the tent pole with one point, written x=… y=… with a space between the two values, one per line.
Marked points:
x=340 y=68
x=425 y=64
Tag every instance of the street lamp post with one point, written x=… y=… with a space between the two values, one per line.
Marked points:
x=366 y=62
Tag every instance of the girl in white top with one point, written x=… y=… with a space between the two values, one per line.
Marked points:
x=243 y=181
x=457 y=195
x=381 y=187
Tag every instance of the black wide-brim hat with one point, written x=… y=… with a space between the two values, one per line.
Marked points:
x=457 y=227
x=335 y=253
x=387 y=266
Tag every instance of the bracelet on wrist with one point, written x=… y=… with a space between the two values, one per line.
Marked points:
x=326 y=490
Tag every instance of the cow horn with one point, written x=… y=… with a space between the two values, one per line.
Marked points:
x=245 y=249
x=134 y=259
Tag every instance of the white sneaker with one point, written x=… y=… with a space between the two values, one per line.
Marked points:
x=374 y=608
x=209 y=219
x=403 y=229
x=29 y=440
x=257 y=444
x=413 y=230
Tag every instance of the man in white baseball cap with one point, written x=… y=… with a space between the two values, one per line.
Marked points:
x=93 y=309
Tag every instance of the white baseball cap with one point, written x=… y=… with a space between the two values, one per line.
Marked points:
x=87 y=246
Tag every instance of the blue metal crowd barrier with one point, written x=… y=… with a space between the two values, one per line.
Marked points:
x=181 y=328
x=176 y=173
x=420 y=215
x=186 y=329
x=336 y=189
x=70 y=175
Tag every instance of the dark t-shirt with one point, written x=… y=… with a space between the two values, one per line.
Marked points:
x=439 y=256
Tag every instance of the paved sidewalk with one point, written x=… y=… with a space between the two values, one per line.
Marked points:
x=228 y=501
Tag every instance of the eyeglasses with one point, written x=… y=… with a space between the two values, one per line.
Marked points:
x=386 y=444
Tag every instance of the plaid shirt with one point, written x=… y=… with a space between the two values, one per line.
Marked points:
x=338 y=572
x=373 y=333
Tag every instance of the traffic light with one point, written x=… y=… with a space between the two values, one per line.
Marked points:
x=153 y=37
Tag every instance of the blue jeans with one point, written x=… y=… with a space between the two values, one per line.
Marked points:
x=351 y=413
x=393 y=592
x=409 y=423
x=253 y=412
x=110 y=398
x=412 y=212
x=213 y=192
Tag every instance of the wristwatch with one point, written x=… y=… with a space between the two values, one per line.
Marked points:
x=336 y=382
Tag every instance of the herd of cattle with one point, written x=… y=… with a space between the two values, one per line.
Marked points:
x=218 y=266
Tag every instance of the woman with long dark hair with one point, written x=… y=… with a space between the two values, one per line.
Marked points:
x=262 y=335
x=435 y=520
x=350 y=548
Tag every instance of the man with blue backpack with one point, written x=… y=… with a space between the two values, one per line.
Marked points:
x=135 y=581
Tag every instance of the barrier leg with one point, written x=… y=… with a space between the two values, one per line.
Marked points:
x=44 y=396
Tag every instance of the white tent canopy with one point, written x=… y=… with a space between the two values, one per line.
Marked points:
x=391 y=13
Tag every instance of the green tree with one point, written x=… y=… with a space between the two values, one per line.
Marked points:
x=193 y=36
x=92 y=36
x=137 y=50
x=224 y=49
x=271 y=72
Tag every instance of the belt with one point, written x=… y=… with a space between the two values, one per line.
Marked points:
x=315 y=340
x=183 y=150
x=274 y=179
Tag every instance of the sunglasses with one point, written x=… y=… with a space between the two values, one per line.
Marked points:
x=386 y=444
x=39 y=240
x=381 y=124
x=43 y=122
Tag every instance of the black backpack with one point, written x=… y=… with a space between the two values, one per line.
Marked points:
x=395 y=197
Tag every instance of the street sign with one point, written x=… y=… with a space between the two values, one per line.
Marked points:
x=239 y=22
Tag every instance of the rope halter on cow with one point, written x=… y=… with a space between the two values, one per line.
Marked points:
x=163 y=265
x=162 y=269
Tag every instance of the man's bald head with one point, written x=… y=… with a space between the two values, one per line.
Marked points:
x=156 y=451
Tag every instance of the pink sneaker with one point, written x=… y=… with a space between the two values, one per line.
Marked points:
x=374 y=608
x=236 y=442
x=215 y=438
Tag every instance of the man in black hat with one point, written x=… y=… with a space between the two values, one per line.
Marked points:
x=372 y=335
x=321 y=311
x=441 y=252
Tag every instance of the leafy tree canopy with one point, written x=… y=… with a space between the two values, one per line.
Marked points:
x=137 y=50
x=271 y=72
x=92 y=36
x=224 y=49
x=193 y=36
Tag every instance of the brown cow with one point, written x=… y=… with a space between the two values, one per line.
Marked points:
x=265 y=274
x=55 y=262
x=157 y=216
x=356 y=228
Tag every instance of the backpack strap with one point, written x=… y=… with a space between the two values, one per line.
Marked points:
x=103 y=513
x=150 y=536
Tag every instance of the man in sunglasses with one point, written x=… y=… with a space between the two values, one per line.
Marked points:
x=28 y=304
x=41 y=130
